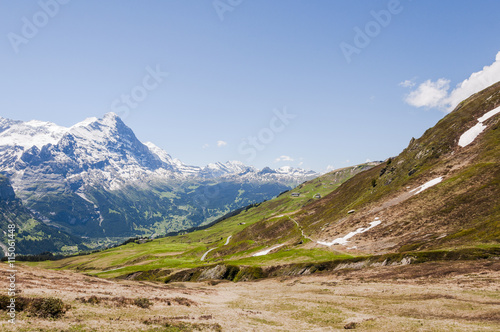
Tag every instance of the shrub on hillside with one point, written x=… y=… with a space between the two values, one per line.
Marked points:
x=47 y=307
x=40 y=307
x=91 y=300
x=143 y=302
x=4 y=302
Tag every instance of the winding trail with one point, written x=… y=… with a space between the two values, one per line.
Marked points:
x=205 y=254
x=225 y=244
x=300 y=228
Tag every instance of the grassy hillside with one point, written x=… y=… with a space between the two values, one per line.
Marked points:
x=185 y=251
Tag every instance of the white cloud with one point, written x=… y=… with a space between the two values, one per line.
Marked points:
x=437 y=94
x=429 y=94
x=204 y=146
x=283 y=158
x=329 y=168
x=476 y=82
x=221 y=144
x=407 y=84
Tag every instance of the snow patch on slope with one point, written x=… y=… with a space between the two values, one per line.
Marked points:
x=343 y=240
x=85 y=122
x=489 y=114
x=267 y=251
x=427 y=185
x=470 y=135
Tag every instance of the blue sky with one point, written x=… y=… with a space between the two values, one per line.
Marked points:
x=229 y=78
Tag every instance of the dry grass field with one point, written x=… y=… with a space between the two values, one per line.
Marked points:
x=440 y=296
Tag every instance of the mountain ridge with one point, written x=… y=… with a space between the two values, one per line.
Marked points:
x=21 y=141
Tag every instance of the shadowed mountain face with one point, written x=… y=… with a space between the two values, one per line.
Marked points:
x=96 y=179
x=31 y=236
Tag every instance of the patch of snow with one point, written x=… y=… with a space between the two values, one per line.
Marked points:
x=228 y=239
x=427 y=185
x=489 y=114
x=267 y=251
x=352 y=248
x=82 y=195
x=470 y=135
x=205 y=254
x=159 y=152
x=343 y=240
x=32 y=133
x=85 y=122
x=113 y=269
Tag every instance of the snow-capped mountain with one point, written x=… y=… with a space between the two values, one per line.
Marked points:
x=106 y=152
x=83 y=167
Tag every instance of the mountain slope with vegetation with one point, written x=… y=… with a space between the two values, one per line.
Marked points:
x=462 y=210
x=31 y=235
x=186 y=250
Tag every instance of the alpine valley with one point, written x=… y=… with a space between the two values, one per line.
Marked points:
x=95 y=183
x=410 y=244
